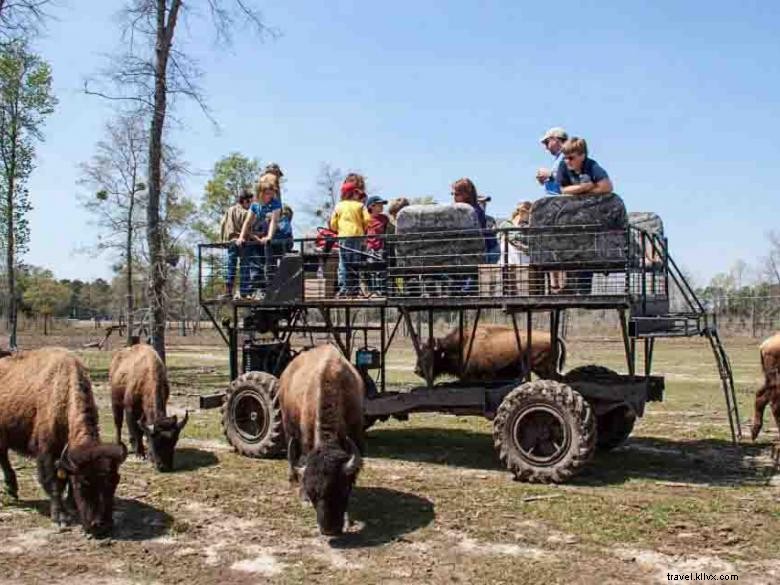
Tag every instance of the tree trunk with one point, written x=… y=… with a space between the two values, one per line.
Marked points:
x=164 y=39
x=129 y=260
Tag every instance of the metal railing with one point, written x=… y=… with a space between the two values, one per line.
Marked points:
x=505 y=264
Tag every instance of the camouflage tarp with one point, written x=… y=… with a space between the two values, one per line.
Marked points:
x=604 y=212
x=438 y=235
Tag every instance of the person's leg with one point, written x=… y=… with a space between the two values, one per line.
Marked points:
x=232 y=262
x=342 y=272
x=245 y=270
x=353 y=258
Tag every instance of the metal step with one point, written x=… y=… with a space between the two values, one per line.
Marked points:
x=673 y=325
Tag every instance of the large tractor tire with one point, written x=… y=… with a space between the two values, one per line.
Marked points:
x=544 y=432
x=614 y=426
x=251 y=416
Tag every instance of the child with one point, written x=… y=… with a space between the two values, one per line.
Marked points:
x=258 y=231
x=349 y=221
x=377 y=226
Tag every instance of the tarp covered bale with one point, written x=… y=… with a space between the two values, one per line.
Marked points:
x=438 y=235
x=606 y=242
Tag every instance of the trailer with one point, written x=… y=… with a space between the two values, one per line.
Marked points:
x=545 y=430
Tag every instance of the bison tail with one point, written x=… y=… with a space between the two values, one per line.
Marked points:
x=561 y=356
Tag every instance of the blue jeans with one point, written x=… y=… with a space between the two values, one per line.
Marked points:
x=349 y=255
x=256 y=265
x=235 y=252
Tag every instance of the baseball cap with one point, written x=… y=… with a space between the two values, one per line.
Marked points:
x=484 y=198
x=556 y=132
x=374 y=199
x=273 y=168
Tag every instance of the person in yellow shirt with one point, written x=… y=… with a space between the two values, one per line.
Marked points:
x=349 y=221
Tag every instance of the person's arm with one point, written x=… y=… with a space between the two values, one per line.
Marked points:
x=543 y=175
x=602 y=187
x=272 y=226
x=250 y=217
x=583 y=189
x=334 y=219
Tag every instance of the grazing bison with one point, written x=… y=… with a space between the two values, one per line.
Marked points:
x=139 y=390
x=770 y=391
x=321 y=397
x=47 y=411
x=494 y=354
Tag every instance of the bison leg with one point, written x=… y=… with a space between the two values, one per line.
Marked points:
x=775 y=404
x=119 y=414
x=762 y=399
x=136 y=434
x=11 y=485
x=53 y=485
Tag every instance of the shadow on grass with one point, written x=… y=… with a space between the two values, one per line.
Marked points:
x=190 y=459
x=133 y=520
x=701 y=461
x=386 y=514
x=460 y=448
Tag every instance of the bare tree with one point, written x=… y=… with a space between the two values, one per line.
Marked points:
x=150 y=73
x=116 y=174
x=22 y=18
x=772 y=260
x=326 y=194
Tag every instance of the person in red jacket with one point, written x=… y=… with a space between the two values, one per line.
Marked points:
x=375 y=243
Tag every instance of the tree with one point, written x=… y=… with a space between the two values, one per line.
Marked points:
x=21 y=18
x=150 y=73
x=44 y=295
x=115 y=174
x=231 y=175
x=25 y=101
x=326 y=194
x=772 y=260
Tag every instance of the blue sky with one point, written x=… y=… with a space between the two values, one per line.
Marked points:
x=678 y=101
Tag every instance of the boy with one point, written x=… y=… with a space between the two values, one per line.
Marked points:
x=230 y=230
x=581 y=175
x=349 y=221
x=377 y=226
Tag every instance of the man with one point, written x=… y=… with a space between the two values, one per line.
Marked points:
x=230 y=230
x=581 y=175
x=553 y=141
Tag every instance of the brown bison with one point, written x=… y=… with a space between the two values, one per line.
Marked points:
x=494 y=354
x=47 y=411
x=321 y=397
x=770 y=391
x=139 y=390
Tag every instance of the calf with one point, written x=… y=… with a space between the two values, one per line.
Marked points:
x=321 y=397
x=47 y=411
x=139 y=390
x=494 y=355
x=769 y=393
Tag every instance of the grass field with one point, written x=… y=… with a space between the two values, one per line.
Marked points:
x=433 y=504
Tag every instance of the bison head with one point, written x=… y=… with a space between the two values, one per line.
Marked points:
x=327 y=476
x=162 y=437
x=93 y=473
x=433 y=357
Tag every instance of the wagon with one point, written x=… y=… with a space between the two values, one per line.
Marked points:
x=545 y=430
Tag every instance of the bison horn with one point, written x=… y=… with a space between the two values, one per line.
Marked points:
x=355 y=462
x=124 y=452
x=180 y=425
x=64 y=461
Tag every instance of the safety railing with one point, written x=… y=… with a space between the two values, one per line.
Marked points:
x=575 y=262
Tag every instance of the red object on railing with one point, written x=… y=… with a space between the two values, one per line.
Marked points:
x=327 y=240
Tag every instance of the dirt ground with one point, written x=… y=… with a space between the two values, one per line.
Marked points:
x=433 y=504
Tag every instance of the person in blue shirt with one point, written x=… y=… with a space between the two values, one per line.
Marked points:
x=581 y=175
x=553 y=141
x=258 y=231
x=283 y=237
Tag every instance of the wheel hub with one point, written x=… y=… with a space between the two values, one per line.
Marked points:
x=251 y=417
x=541 y=435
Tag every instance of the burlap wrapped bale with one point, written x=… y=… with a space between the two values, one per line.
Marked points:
x=438 y=235
x=605 y=212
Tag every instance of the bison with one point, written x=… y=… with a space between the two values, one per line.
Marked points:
x=494 y=354
x=321 y=398
x=47 y=411
x=770 y=391
x=139 y=390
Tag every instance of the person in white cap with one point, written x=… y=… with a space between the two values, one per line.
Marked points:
x=553 y=141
